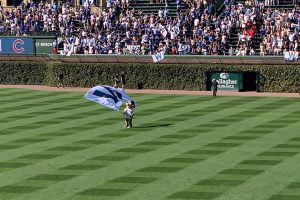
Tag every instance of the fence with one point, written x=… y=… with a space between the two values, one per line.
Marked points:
x=169 y=59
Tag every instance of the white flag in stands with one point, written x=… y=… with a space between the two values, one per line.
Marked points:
x=290 y=55
x=159 y=56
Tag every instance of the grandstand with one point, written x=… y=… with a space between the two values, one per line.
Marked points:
x=145 y=27
x=15 y=3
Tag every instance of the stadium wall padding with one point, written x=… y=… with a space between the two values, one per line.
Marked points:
x=272 y=78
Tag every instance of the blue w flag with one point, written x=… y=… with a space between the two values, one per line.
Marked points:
x=176 y=30
x=290 y=55
x=108 y=96
x=87 y=3
x=159 y=56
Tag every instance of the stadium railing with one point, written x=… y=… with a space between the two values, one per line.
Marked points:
x=169 y=59
x=25 y=57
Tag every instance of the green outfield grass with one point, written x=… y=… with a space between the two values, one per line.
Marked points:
x=56 y=145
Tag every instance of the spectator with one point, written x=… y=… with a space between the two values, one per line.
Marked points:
x=214 y=87
x=123 y=80
x=117 y=81
x=230 y=51
x=119 y=29
x=60 y=80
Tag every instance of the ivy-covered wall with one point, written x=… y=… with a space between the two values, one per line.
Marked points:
x=272 y=78
x=23 y=73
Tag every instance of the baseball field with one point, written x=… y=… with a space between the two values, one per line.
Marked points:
x=59 y=146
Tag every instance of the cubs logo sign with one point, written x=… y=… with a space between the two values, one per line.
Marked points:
x=18 y=46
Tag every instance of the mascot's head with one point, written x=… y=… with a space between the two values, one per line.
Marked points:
x=128 y=104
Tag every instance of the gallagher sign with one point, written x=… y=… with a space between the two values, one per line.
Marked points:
x=228 y=81
x=16 y=45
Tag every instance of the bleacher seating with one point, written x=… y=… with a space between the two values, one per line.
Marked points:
x=208 y=36
x=152 y=8
x=234 y=37
x=284 y=4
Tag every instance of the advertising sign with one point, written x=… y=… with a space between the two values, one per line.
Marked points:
x=44 y=45
x=16 y=45
x=228 y=81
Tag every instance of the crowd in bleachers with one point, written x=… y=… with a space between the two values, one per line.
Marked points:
x=246 y=17
x=40 y=17
x=120 y=29
x=279 y=32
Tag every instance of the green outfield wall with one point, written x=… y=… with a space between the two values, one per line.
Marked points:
x=270 y=78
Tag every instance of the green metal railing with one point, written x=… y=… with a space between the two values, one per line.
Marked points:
x=169 y=59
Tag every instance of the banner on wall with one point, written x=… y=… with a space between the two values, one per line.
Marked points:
x=227 y=81
x=16 y=45
x=44 y=45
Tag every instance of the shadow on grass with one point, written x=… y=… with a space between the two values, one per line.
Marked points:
x=154 y=125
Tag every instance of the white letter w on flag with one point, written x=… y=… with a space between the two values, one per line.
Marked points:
x=159 y=56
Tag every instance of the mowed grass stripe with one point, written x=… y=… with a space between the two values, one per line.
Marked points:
x=18 y=189
x=8 y=103
x=129 y=179
x=23 y=125
x=160 y=169
x=43 y=111
x=89 y=106
x=102 y=177
x=79 y=135
x=285 y=197
x=35 y=101
x=248 y=146
x=10 y=94
x=182 y=110
x=65 y=98
x=108 y=135
x=270 y=182
x=266 y=163
x=214 y=184
x=291 y=191
x=95 y=107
